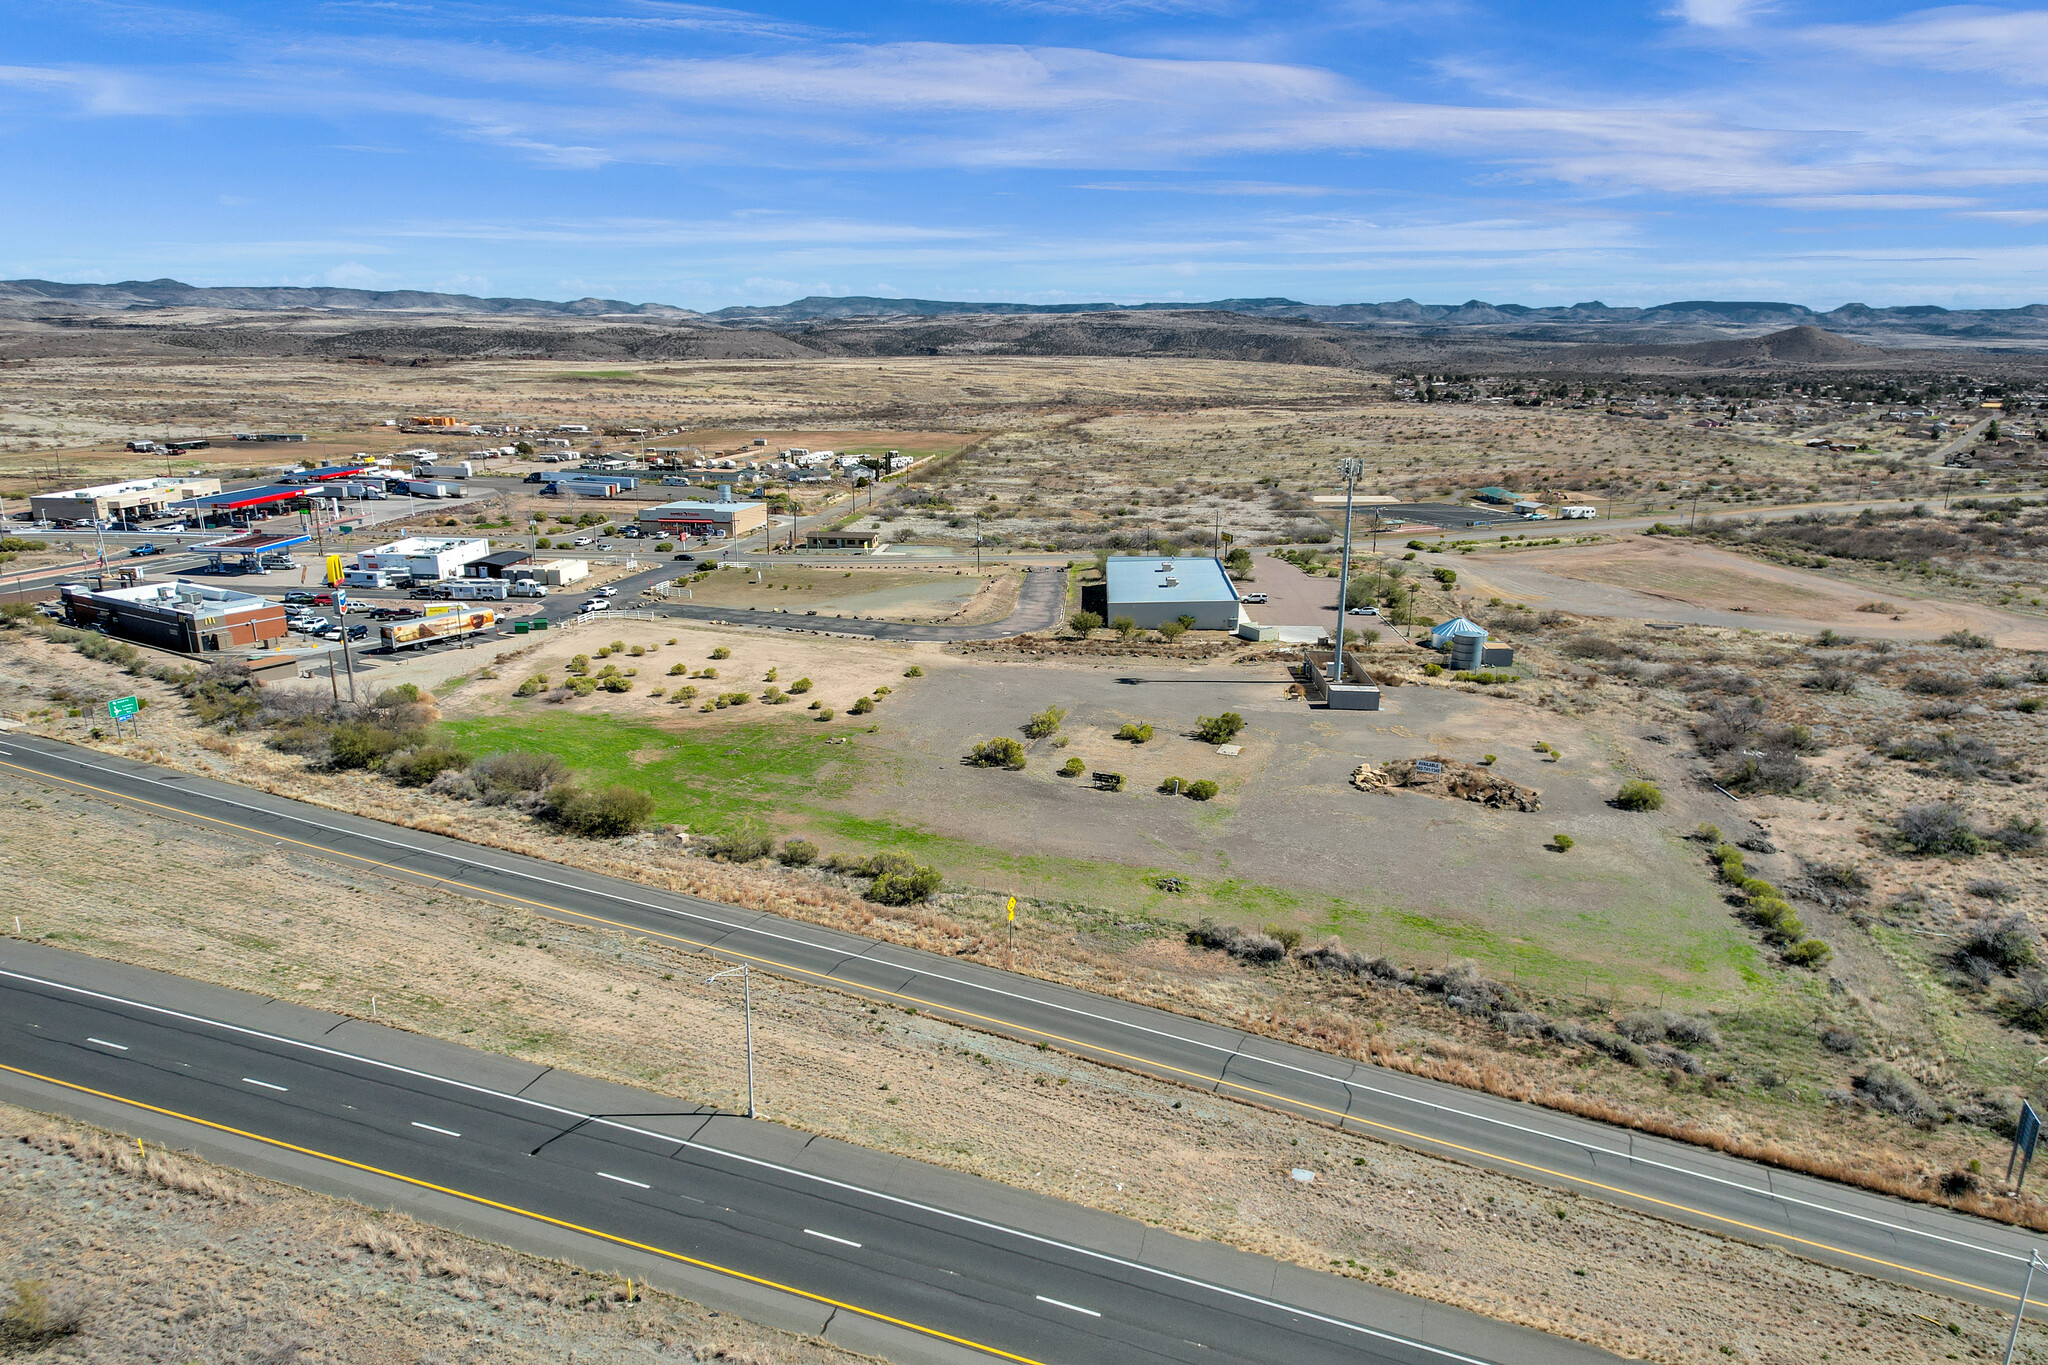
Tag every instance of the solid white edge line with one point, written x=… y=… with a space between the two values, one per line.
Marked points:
x=1070 y=1307
x=118 y=1047
x=444 y=1132
x=251 y=1080
x=788 y=1171
x=830 y=1238
x=636 y=1184
x=1422 y=1102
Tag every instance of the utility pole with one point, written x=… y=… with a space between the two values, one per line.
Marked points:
x=747 y=986
x=977 y=544
x=1350 y=469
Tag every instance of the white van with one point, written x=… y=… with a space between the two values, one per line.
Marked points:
x=1255 y=599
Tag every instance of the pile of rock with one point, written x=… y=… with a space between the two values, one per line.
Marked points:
x=1450 y=779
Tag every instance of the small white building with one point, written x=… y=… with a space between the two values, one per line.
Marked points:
x=423 y=558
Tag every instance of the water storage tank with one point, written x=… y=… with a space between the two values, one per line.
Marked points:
x=1467 y=651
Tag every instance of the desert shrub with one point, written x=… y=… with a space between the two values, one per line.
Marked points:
x=1964 y=639
x=1135 y=732
x=1840 y=1040
x=678 y=670
x=1808 y=952
x=1286 y=935
x=721 y=653
x=825 y=713
x=1432 y=670
x=1563 y=843
x=1084 y=621
x=684 y=693
x=1000 y=752
x=710 y=673
x=1591 y=647
x=604 y=651
x=1124 y=626
x=518 y=771
x=361 y=744
x=862 y=706
x=2016 y=835
x=532 y=687
x=799 y=687
x=1938 y=685
x=1045 y=722
x=900 y=882
x=33 y=1315
x=1201 y=790
x=774 y=696
x=1173 y=786
x=455 y=783
x=1171 y=631
x=1771 y=770
x=1244 y=946
x=580 y=664
x=2029 y=1008
x=616 y=682
x=637 y=651
x=914 y=671
x=1837 y=680
x=798 y=853
x=2007 y=943
x=1219 y=729
x=418 y=767
x=741 y=846
x=1073 y=767
x=1889 y=1089
x=1657 y=1026
x=602 y=813
x=1638 y=795
x=1937 y=828
x=1445 y=576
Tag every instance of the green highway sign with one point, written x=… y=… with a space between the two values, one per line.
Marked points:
x=123 y=708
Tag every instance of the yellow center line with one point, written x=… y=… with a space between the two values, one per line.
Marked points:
x=1000 y=1025
x=528 y=1213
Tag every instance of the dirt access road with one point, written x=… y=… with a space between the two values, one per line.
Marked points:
x=1041 y=603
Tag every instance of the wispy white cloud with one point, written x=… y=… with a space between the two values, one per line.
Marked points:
x=1718 y=14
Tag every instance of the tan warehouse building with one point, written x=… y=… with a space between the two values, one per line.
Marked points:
x=119 y=501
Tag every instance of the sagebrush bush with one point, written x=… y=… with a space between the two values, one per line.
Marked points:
x=1638 y=795
x=418 y=767
x=1202 y=790
x=1134 y=732
x=1219 y=729
x=721 y=653
x=1000 y=752
x=1045 y=722
x=1073 y=767
x=1937 y=828
x=601 y=813
x=798 y=852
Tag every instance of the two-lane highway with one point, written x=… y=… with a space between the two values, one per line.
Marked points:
x=1919 y=1244
x=660 y=1183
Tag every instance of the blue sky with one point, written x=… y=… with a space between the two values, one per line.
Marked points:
x=1037 y=150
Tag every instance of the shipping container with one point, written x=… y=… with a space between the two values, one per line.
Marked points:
x=446 y=625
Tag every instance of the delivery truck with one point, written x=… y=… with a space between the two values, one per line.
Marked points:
x=446 y=625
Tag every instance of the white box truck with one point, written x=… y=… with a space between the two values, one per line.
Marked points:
x=527 y=587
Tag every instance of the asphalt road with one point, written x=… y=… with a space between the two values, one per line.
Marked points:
x=1918 y=1244
x=931 y=1253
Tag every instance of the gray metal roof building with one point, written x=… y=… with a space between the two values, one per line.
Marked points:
x=1152 y=591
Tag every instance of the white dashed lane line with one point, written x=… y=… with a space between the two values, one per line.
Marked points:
x=1070 y=1307
x=813 y=1232
x=118 y=1047
x=444 y=1132
x=638 y=1185
x=251 y=1080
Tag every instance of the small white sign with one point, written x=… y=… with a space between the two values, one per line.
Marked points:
x=1230 y=750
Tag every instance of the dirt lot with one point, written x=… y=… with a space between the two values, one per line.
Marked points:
x=602 y=1004
x=953 y=596
x=1661 y=579
x=164 y=1256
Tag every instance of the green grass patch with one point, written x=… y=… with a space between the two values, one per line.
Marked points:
x=711 y=780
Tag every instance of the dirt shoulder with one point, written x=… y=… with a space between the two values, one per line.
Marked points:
x=164 y=1256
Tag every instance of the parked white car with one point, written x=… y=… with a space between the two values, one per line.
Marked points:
x=597 y=604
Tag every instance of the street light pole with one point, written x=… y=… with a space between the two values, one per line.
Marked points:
x=747 y=986
x=1350 y=469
